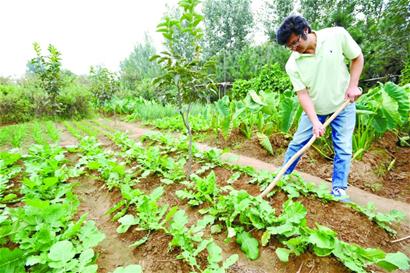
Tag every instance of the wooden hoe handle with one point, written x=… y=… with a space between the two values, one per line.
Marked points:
x=301 y=151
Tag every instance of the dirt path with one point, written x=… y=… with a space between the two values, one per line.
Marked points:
x=357 y=195
x=95 y=200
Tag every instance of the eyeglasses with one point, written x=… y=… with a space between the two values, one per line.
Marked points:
x=294 y=43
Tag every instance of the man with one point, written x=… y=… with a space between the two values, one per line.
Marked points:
x=322 y=82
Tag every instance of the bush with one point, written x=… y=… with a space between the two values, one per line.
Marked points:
x=247 y=63
x=20 y=104
x=405 y=73
x=240 y=88
x=15 y=105
x=74 y=102
x=271 y=78
x=104 y=84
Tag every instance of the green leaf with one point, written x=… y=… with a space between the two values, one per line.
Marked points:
x=256 y=98
x=12 y=261
x=73 y=229
x=92 y=268
x=287 y=110
x=265 y=142
x=179 y=220
x=90 y=235
x=230 y=261
x=126 y=222
x=32 y=260
x=50 y=181
x=394 y=261
x=323 y=237
x=214 y=253
x=215 y=229
x=62 y=251
x=401 y=97
x=233 y=177
x=86 y=256
x=139 y=242
x=283 y=254
x=265 y=238
x=129 y=269
x=249 y=245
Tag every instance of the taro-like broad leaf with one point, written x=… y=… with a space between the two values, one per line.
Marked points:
x=255 y=97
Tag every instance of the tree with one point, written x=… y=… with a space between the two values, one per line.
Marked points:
x=389 y=44
x=137 y=66
x=47 y=70
x=275 y=12
x=189 y=75
x=104 y=84
x=183 y=42
x=227 y=24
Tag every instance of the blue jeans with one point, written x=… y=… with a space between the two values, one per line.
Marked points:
x=342 y=132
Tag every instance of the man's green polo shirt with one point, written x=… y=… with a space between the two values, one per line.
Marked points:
x=324 y=74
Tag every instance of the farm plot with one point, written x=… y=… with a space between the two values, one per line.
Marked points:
x=212 y=222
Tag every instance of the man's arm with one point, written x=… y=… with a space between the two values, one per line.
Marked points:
x=307 y=105
x=356 y=67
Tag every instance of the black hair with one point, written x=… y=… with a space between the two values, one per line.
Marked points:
x=292 y=24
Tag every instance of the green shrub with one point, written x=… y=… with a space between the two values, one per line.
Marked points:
x=15 y=105
x=146 y=89
x=104 y=84
x=240 y=88
x=272 y=78
x=405 y=73
x=74 y=102
x=20 y=104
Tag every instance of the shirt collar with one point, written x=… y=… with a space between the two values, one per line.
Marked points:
x=319 y=42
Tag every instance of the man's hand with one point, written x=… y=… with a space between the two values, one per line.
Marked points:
x=318 y=129
x=352 y=93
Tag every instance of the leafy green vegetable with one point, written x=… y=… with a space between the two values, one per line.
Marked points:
x=249 y=245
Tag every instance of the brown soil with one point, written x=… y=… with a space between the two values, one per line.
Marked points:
x=372 y=173
x=95 y=200
x=154 y=256
x=66 y=139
